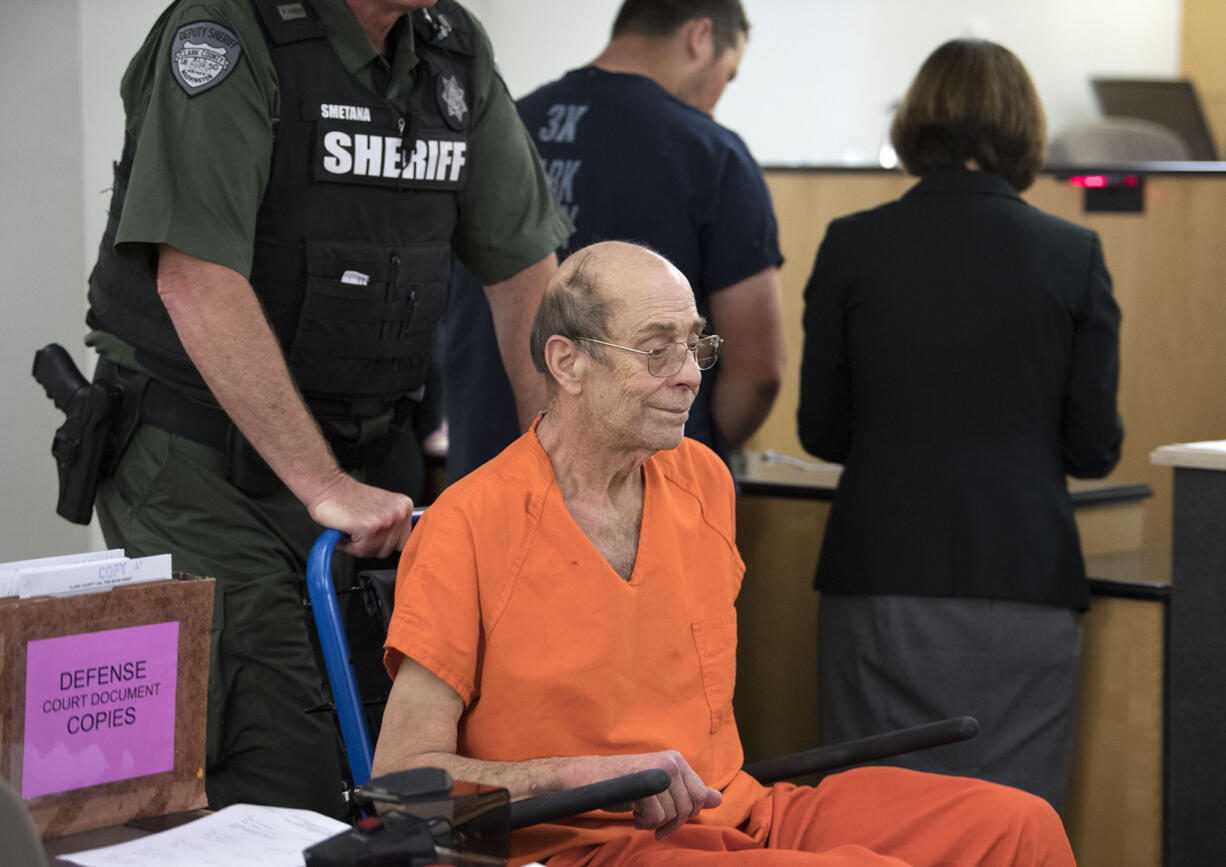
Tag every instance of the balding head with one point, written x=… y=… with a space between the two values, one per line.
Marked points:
x=586 y=292
x=611 y=337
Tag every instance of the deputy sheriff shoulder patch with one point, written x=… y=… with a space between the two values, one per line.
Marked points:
x=202 y=55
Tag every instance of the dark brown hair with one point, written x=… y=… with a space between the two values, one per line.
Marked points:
x=971 y=100
x=663 y=17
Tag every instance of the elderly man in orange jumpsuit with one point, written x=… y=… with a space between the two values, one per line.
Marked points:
x=565 y=614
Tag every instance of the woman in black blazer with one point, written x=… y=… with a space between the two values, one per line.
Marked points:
x=961 y=357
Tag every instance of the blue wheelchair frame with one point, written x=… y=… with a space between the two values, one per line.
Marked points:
x=334 y=642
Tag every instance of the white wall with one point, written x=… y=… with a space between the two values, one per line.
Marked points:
x=59 y=92
x=815 y=87
x=111 y=33
x=40 y=248
x=819 y=76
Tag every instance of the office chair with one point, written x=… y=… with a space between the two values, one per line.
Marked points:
x=355 y=733
x=22 y=842
x=1116 y=140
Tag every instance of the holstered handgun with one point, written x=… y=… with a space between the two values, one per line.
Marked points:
x=81 y=442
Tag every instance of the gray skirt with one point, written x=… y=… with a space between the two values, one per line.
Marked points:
x=884 y=662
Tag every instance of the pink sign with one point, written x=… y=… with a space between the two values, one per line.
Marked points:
x=99 y=707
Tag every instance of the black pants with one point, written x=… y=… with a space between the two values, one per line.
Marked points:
x=172 y=495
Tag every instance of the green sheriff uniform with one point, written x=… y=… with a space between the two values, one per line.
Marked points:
x=263 y=137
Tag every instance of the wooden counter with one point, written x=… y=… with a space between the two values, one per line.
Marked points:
x=1114 y=814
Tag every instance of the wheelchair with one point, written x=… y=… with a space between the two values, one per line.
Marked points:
x=376 y=589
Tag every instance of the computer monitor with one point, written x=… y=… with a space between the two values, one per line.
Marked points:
x=1170 y=102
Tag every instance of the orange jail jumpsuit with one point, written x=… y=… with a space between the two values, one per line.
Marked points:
x=502 y=596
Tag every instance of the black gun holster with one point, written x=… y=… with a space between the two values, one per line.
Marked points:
x=82 y=444
x=80 y=450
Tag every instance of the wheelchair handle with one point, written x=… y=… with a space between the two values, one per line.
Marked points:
x=581 y=799
x=920 y=737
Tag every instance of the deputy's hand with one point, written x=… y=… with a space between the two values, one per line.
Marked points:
x=376 y=521
x=665 y=812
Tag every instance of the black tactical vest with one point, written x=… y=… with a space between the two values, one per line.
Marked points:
x=353 y=239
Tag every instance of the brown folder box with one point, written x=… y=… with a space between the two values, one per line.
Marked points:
x=185 y=599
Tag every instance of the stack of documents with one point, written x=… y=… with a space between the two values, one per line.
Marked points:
x=79 y=573
x=236 y=835
x=239 y=834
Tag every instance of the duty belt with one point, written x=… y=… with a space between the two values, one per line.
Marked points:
x=165 y=408
x=156 y=404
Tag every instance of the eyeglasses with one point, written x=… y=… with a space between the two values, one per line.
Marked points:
x=666 y=360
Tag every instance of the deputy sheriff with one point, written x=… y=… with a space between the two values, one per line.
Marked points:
x=295 y=179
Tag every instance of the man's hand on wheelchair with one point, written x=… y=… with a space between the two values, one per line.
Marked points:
x=685 y=798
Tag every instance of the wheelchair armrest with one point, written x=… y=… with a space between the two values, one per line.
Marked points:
x=595 y=796
x=867 y=749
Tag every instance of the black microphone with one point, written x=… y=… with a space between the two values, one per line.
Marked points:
x=595 y=796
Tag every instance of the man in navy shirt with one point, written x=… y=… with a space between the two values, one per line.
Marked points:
x=632 y=152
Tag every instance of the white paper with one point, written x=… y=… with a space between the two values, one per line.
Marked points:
x=90 y=577
x=238 y=835
x=8 y=571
